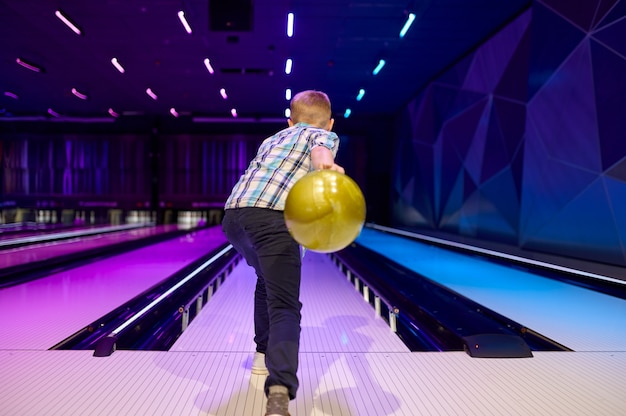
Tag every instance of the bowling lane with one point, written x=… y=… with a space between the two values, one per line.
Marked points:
x=581 y=319
x=46 y=250
x=40 y=313
x=34 y=237
x=335 y=317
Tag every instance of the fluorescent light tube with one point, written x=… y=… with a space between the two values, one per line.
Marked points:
x=233 y=112
x=361 y=94
x=209 y=68
x=409 y=21
x=181 y=16
x=223 y=93
x=151 y=94
x=288 y=94
x=347 y=113
x=79 y=94
x=28 y=65
x=288 y=65
x=290 y=25
x=380 y=65
x=117 y=65
x=67 y=22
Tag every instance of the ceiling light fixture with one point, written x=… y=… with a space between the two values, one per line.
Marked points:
x=113 y=113
x=347 y=113
x=223 y=93
x=209 y=68
x=380 y=65
x=68 y=22
x=53 y=113
x=288 y=94
x=12 y=95
x=288 y=66
x=173 y=112
x=117 y=65
x=29 y=65
x=233 y=112
x=409 y=21
x=361 y=94
x=151 y=94
x=290 y=24
x=181 y=16
x=79 y=94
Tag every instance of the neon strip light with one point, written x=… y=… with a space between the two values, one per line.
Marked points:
x=181 y=16
x=11 y=94
x=67 y=22
x=169 y=291
x=117 y=65
x=27 y=65
x=79 y=94
x=287 y=112
x=223 y=93
x=288 y=94
x=113 y=113
x=207 y=63
x=380 y=65
x=233 y=112
x=290 y=25
x=173 y=112
x=347 y=113
x=53 y=113
x=407 y=24
x=361 y=94
x=151 y=94
x=288 y=66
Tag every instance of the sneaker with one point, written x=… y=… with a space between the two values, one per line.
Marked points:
x=277 y=401
x=258 y=364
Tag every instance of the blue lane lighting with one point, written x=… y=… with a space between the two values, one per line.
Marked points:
x=288 y=66
x=361 y=94
x=407 y=24
x=347 y=113
x=380 y=65
x=290 y=25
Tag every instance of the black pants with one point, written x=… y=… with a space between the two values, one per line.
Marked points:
x=261 y=237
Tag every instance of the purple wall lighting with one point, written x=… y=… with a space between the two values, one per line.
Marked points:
x=523 y=141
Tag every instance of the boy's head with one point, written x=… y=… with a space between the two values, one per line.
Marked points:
x=311 y=107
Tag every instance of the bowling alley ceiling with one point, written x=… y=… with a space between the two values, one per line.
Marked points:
x=233 y=63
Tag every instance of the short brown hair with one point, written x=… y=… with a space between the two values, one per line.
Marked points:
x=312 y=107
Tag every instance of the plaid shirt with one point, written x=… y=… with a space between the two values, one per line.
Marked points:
x=280 y=161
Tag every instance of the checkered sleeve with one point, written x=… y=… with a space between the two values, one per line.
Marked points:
x=328 y=139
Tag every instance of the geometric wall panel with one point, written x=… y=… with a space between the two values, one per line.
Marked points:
x=581 y=13
x=553 y=38
x=523 y=141
x=610 y=100
x=585 y=227
x=569 y=132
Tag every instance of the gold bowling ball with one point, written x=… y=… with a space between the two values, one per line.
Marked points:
x=325 y=211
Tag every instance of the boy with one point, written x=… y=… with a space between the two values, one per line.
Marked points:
x=254 y=224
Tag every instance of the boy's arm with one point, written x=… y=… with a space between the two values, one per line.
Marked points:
x=322 y=158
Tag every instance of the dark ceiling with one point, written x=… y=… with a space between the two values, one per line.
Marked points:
x=335 y=47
